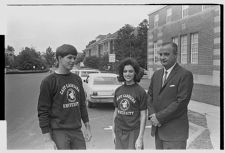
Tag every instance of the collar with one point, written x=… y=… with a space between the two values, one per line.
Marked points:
x=170 y=69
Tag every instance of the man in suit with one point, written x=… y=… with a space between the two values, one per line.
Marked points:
x=169 y=94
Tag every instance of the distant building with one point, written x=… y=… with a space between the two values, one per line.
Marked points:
x=104 y=44
x=196 y=30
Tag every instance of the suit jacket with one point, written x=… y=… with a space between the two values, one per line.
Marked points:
x=170 y=103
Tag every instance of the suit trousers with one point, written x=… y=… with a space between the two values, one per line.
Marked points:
x=162 y=144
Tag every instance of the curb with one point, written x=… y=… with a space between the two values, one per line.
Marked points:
x=25 y=72
x=212 y=114
x=198 y=129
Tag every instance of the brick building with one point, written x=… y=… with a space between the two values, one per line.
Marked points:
x=104 y=44
x=196 y=30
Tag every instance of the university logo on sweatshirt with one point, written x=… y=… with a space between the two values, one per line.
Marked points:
x=70 y=95
x=125 y=102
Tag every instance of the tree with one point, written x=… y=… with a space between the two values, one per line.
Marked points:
x=10 y=48
x=104 y=62
x=132 y=42
x=28 y=58
x=123 y=42
x=141 y=43
x=9 y=59
x=92 y=62
x=50 y=57
x=80 y=57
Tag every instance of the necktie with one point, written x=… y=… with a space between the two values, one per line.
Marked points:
x=164 y=78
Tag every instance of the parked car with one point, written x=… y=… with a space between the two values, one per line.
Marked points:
x=100 y=88
x=83 y=73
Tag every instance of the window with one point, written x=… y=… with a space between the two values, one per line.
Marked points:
x=155 y=49
x=168 y=15
x=106 y=81
x=106 y=45
x=194 y=48
x=85 y=73
x=101 y=48
x=156 y=20
x=183 y=49
x=184 y=11
x=175 y=40
x=111 y=47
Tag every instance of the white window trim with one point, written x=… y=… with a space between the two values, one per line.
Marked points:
x=203 y=7
x=168 y=15
x=156 y=20
x=169 y=12
x=194 y=52
x=175 y=40
x=155 y=50
x=182 y=51
x=184 y=7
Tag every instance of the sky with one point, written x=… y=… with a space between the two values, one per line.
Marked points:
x=43 y=26
x=40 y=26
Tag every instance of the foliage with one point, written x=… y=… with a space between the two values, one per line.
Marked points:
x=92 y=62
x=10 y=48
x=80 y=57
x=104 y=62
x=141 y=43
x=132 y=42
x=9 y=60
x=123 y=42
x=29 y=59
x=95 y=62
x=49 y=57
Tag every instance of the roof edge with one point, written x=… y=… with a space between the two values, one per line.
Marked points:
x=157 y=9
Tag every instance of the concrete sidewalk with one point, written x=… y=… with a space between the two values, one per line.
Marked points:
x=212 y=114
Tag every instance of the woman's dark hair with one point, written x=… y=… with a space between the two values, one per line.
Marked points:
x=134 y=64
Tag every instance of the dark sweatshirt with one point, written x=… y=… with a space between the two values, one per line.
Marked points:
x=61 y=103
x=130 y=101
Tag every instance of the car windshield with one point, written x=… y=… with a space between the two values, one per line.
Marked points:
x=85 y=73
x=106 y=81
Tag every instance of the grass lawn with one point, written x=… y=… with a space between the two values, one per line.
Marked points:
x=207 y=94
x=202 y=93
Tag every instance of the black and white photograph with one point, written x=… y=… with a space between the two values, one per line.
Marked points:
x=113 y=76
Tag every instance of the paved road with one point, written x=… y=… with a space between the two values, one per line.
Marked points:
x=23 y=132
x=21 y=94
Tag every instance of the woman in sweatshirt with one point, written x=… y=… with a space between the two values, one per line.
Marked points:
x=130 y=102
